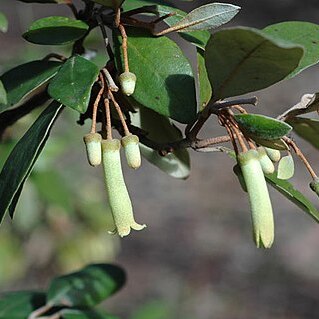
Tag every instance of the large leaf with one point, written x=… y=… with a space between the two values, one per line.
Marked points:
x=262 y=127
x=242 y=60
x=86 y=288
x=55 y=31
x=3 y=95
x=208 y=16
x=19 y=305
x=302 y=33
x=21 y=160
x=3 y=23
x=165 y=81
x=25 y=80
x=84 y=314
x=205 y=88
x=73 y=83
x=160 y=129
x=306 y=128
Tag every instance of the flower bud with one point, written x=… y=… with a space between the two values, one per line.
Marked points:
x=128 y=82
x=93 y=148
x=314 y=185
x=118 y=195
x=132 y=150
x=273 y=154
x=265 y=162
x=260 y=204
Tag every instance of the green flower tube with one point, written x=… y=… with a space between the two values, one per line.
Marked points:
x=118 y=195
x=260 y=204
x=314 y=185
x=132 y=150
x=265 y=162
x=128 y=82
x=93 y=148
x=273 y=154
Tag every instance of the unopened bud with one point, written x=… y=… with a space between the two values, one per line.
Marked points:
x=273 y=154
x=265 y=162
x=128 y=82
x=314 y=185
x=93 y=148
x=132 y=151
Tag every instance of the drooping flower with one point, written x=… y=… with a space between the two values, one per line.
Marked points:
x=93 y=148
x=132 y=150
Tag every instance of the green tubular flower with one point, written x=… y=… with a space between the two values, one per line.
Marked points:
x=314 y=185
x=261 y=209
x=93 y=148
x=132 y=150
x=128 y=82
x=118 y=195
x=274 y=155
x=265 y=162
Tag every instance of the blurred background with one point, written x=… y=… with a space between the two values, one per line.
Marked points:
x=196 y=258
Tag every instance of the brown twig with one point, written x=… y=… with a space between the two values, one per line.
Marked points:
x=124 y=47
x=108 y=119
x=96 y=104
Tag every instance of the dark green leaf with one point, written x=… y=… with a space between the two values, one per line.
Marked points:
x=288 y=190
x=161 y=130
x=302 y=33
x=86 y=288
x=242 y=60
x=23 y=157
x=3 y=95
x=85 y=314
x=18 y=305
x=308 y=129
x=205 y=89
x=24 y=81
x=262 y=127
x=165 y=81
x=73 y=83
x=55 y=31
x=3 y=23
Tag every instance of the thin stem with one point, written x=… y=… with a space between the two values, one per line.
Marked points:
x=239 y=108
x=109 y=80
x=96 y=104
x=55 y=56
x=108 y=119
x=119 y=111
x=40 y=311
x=124 y=47
x=117 y=19
x=105 y=37
x=301 y=156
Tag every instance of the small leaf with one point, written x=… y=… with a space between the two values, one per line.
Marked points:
x=277 y=144
x=86 y=288
x=110 y=3
x=302 y=33
x=72 y=85
x=3 y=23
x=205 y=89
x=208 y=16
x=306 y=128
x=262 y=127
x=3 y=95
x=242 y=60
x=55 y=31
x=84 y=314
x=288 y=190
x=25 y=80
x=21 y=160
x=286 y=167
x=19 y=305
x=309 y=103
x=161 y=130
x=165 y=83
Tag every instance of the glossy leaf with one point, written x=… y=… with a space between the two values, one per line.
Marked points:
x=165 y=82
x=73 y=83
x=302 y=33
x=86 y=288
x=3 y=95
x=84 y=314
x=306 y=128
x=24 y=81
x=288 y=190
x=309 y=103
x=18 y=305
x=243 y=60
x=286 y=167
x=262 y=127
x=21 y=160
x=205 y=88
x=3 y=23
x=110 y=3
x=55 y=31
x=159 y=129
x=208 y=16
